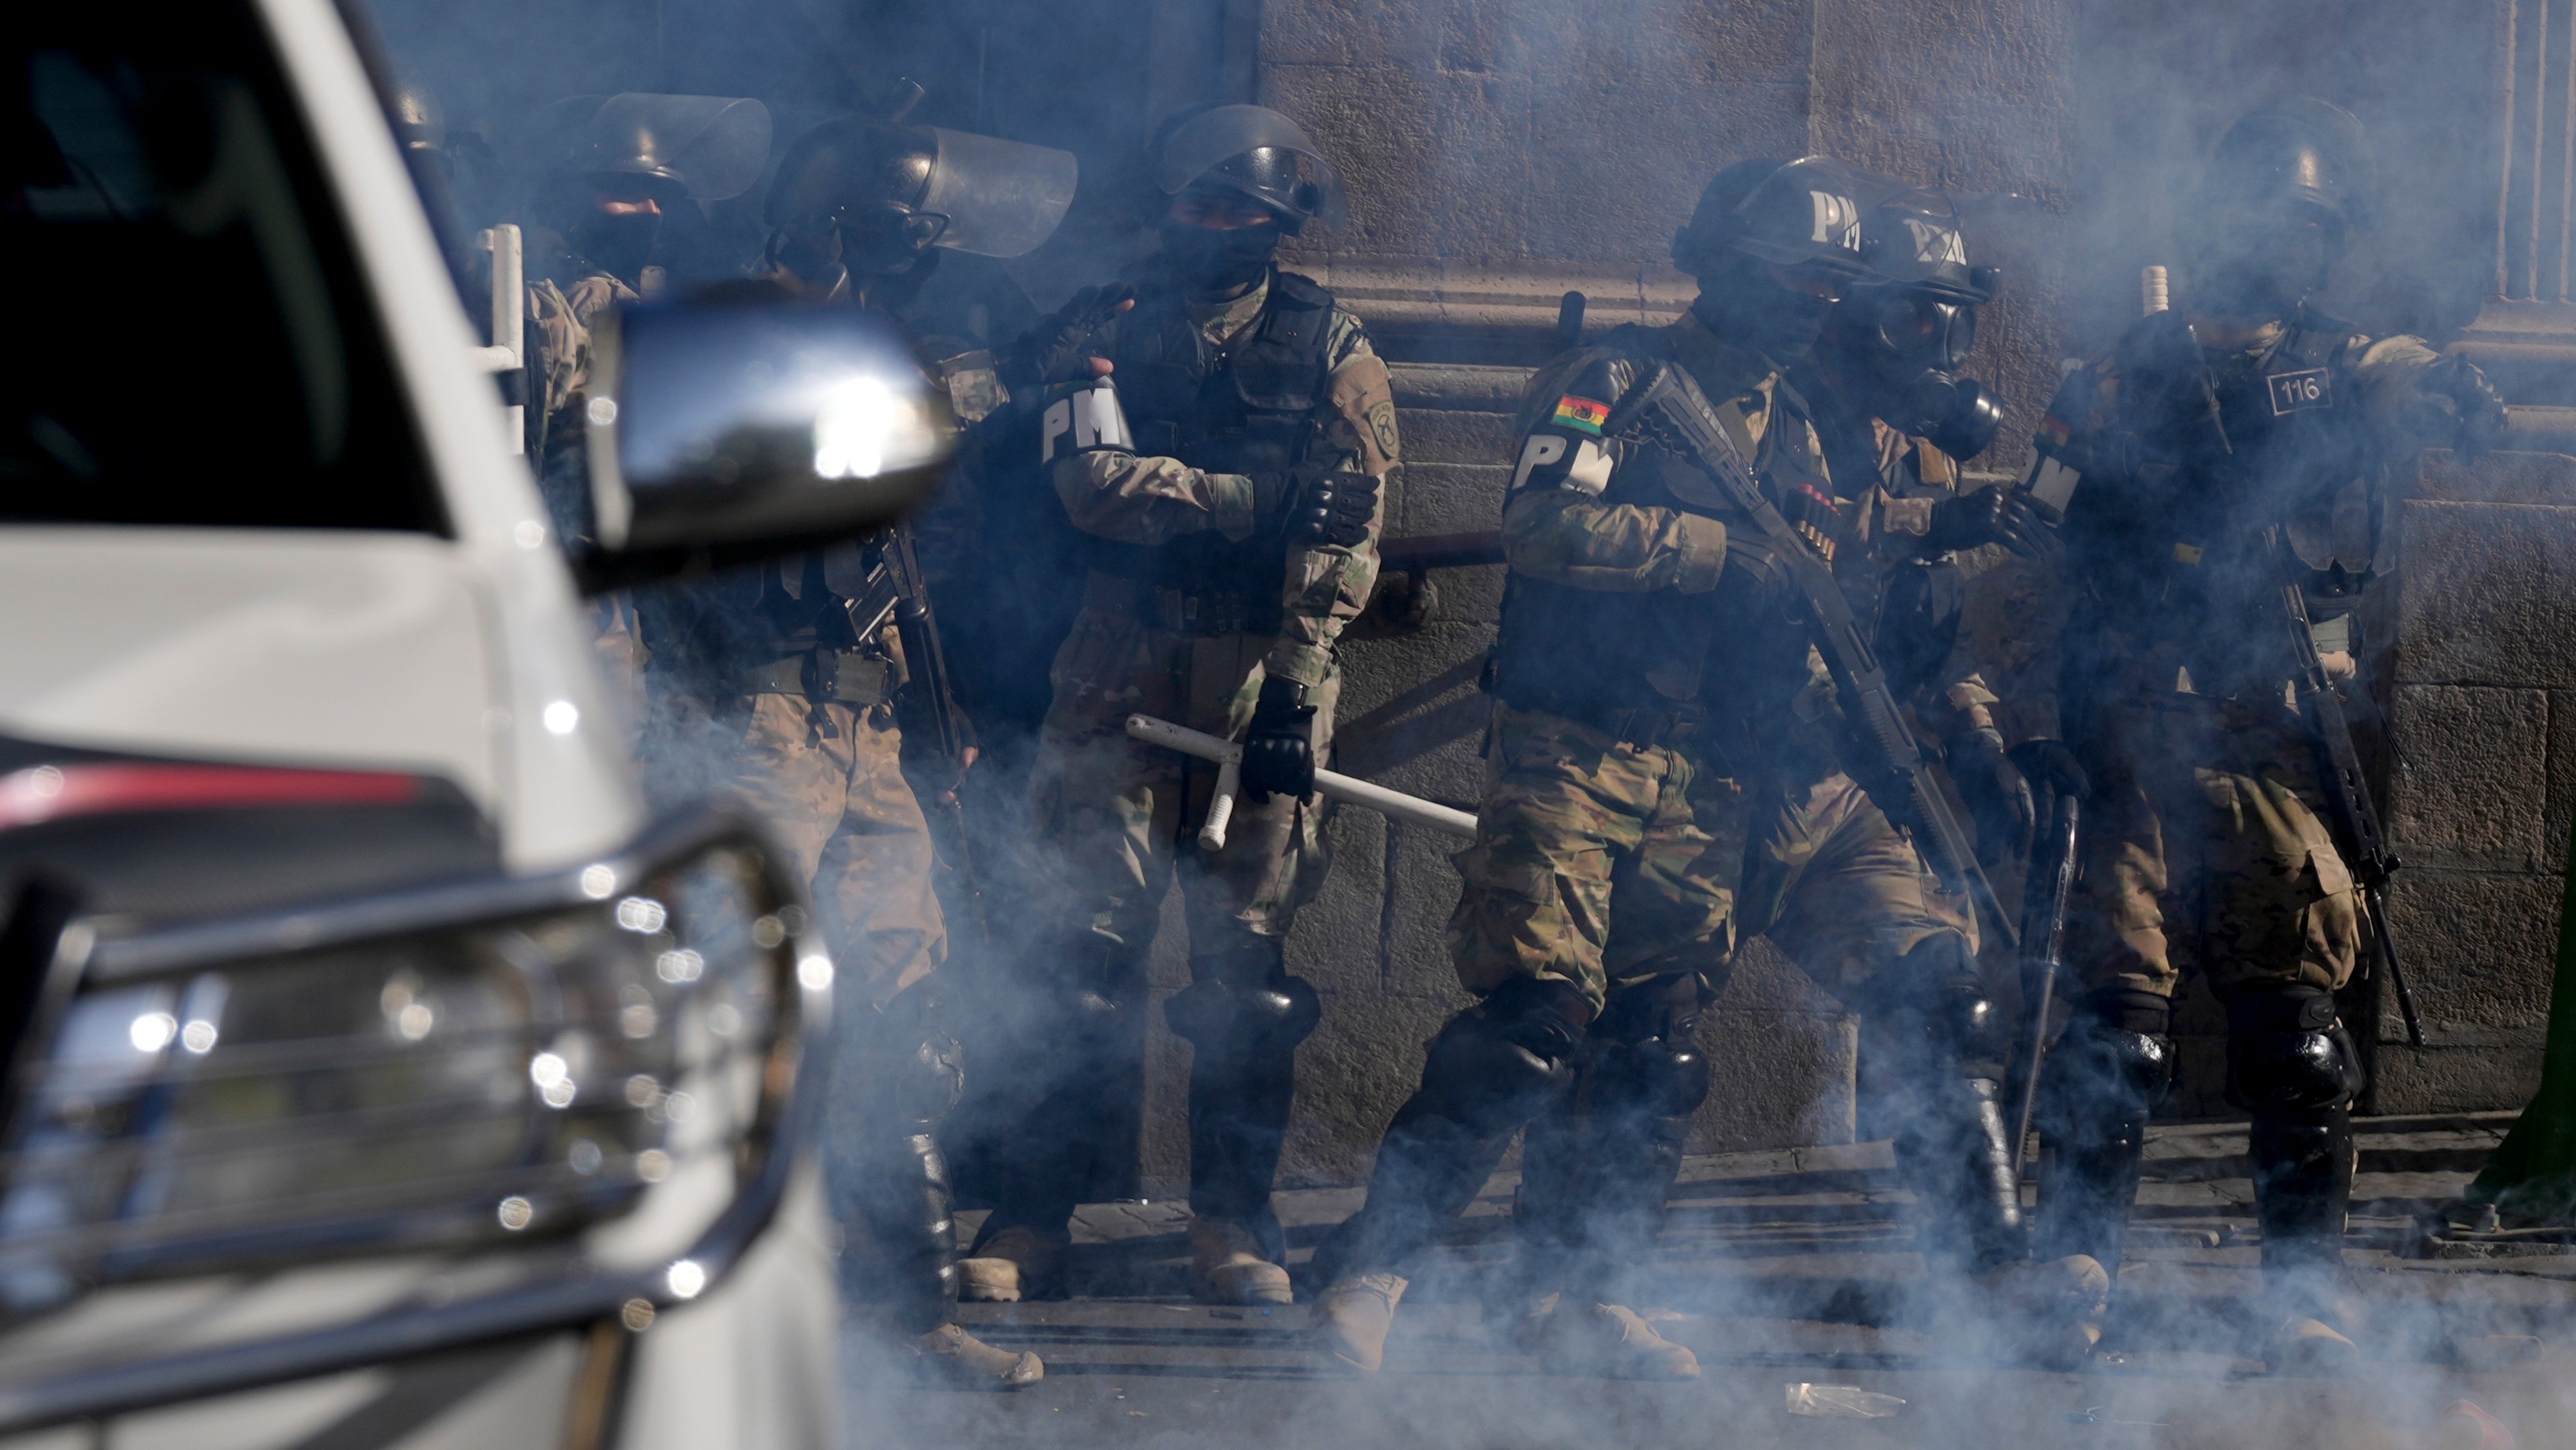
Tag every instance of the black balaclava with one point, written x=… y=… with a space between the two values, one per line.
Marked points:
x=1216 y=262
x=1744 y=304
x=617 y=245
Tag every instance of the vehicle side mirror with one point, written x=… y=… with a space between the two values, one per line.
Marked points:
x=727 y=432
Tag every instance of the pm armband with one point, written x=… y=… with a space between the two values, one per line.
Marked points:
x=1083 y=417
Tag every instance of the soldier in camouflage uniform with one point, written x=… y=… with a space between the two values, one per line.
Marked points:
x=1829 y=878
x=794 y=677
x=1226 y=473
x=2225 y=452
x=623 y=162
x=1648 y=660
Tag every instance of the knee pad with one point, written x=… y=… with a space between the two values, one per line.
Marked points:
x=914 y=1070
x=2287 y=1055
x=1663 y=1079
x=1214 y=1016
x=1497 y=1064
x=2117 y=1055
x=1935 y=995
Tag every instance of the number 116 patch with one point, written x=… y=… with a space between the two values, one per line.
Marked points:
x=2297 y=392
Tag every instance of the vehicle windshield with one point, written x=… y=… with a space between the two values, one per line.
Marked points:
x=193 y=344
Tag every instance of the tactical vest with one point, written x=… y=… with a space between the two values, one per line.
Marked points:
x=1246 y=406
x=2183 y=558
x=1661 y=666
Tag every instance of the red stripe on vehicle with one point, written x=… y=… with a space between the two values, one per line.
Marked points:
x=53 y=792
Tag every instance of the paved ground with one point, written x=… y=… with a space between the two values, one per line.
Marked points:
x=1792 y=1267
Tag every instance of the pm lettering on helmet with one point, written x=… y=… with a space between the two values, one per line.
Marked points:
x=1937 y=246
x=1837 y=220
x=1085 y=420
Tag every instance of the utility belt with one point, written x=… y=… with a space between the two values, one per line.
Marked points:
x=1197 y=612
x=849 y=676
x=1647 y=726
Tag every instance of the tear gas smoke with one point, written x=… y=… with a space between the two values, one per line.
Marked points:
x=1529 y=144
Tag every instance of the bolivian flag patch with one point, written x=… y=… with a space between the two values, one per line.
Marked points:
x=2055 y=429
x=1583 y=413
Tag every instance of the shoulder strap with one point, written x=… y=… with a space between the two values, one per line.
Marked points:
x=1290 y=289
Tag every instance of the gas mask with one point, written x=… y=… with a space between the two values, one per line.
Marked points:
x=1901 y=349
x=1214 y=260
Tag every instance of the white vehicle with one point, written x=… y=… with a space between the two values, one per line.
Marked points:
x=377 y=1071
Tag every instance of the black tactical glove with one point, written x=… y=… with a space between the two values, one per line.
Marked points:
x=1317 y=508
x=1997 y=797
x=2463 y=405
x=1279 y=749
x=1753 y=579
x=1058 y=349
x=1994 y=515
x=2048 y=765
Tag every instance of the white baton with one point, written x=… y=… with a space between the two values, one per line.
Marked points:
x=1228 y=757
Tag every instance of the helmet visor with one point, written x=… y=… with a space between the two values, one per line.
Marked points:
x=713 y=146
x=1206 y=141
x=1001 y=198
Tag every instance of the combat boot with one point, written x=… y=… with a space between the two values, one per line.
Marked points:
x=1353 y=1316
x=1022 y=1261
x=1604 y=1341
x=949 y=1355
x=1227 y=1265
x=2048 y=1315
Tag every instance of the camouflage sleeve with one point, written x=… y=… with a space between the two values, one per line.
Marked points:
x=2388 y=373
x=1328 y=586
x=1554 y=525
x=561 y=323
x=1138 y=500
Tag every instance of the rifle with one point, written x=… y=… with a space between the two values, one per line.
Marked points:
x=2043 y=934
x=897 y=590
x=1890 y=767
x=2347 y=791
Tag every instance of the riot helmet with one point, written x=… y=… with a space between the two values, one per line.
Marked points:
x=1232 y=181
x=876 y=196
x=627 y=158
x=420 y=124
x=2286 y=187
x=1774 y=244
x=1899 y=339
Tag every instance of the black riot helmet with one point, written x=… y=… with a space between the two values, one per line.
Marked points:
x=622 y=160
x=1898 y=340
x=2300 y=152
x=1774 y=245
x=1252 y=152
x=1802 y=213
x=2289 y=183
x=420 y=123
x=876 y=196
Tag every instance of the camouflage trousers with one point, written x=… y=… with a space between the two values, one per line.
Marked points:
x=1599 y=863
x=828 y=781
x=2205 y=848
x=1838 y=888
x=1116 y=817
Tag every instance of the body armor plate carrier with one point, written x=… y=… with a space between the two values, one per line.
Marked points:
x=1246 y=406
